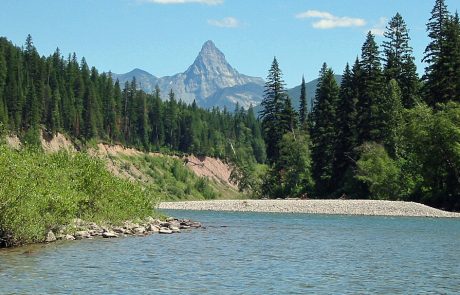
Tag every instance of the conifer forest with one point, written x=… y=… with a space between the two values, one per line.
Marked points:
x=384 y=132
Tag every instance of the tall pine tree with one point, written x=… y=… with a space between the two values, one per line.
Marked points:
x=399 y=60
x=345 y=127
x=324 y=133
x=303 y=110
x=434 y=72
x=272 y=105
x=369 y=108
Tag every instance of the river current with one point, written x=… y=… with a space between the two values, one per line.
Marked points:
x=250 y=253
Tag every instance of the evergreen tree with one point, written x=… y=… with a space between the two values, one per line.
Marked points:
x=399 y=60
x=14 y=92
x=345 y=127
x=434 y=72
x=303 y=110
x=55 y=112
x=155 y=117
x=31 y=114
x=449 y=60
x=170 y=121
x=369 y=110
x=288 y=117
x=272 y=104
x=323 y=132
x=142 y=128
x=392 y=117
x=3 y=75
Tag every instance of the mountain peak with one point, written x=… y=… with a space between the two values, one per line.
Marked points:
x=209 y=50
x=209 y=45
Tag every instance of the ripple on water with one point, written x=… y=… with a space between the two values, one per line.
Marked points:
x=247 y=253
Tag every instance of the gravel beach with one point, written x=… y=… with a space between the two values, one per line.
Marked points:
x=339 y=207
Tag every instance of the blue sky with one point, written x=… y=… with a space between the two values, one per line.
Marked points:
x=163 y=37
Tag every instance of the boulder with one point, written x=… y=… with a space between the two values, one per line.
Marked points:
x=83 y=234
x=139 y=230
x=109 y=234
x=69 y=237
x=165 y=230
x=174 y=229
x=153 y=228
x=119 y=230
x=50 y=237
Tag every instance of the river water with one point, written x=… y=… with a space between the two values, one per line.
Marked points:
x=250 y=253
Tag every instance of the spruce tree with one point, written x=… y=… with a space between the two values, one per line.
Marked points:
x=369 y=120
x=345 y=127
x=3 y=75
x=170 y=121
x=272 y=104
x=156 y=121
x=450 y=60
x=392 y=118
x=55 y=112
x=399 y=60
x=303 y=110
x=324 y=133
x=434 y=72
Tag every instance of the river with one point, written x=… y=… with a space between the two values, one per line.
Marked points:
x=250 y=253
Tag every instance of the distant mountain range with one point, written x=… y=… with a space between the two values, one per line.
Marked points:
x=211 y=81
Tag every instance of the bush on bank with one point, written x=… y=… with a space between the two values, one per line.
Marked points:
x=39 y=192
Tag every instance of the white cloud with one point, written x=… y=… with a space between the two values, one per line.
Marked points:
x=329 y=21
x=379 y=27
x=226 y=22
x=207 y=2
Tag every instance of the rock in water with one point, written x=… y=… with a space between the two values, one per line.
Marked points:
x=50 y=237
x=109 y=234
x=165 y=230
x=69 y=237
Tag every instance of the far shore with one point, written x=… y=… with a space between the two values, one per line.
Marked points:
x=335 y=207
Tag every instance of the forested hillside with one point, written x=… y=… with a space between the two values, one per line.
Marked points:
x=66 y=95
x=383 y=133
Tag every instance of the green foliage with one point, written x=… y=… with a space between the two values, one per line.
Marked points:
x=442 y=56
x=303 y=110
x=370 y=90
x=39 y=192
x=169 y=177
x=399 y=61
x=379 y=171
x=432 y=148
x=291 y=175
x=324 y=132
x=68 y=96
x=202 y=186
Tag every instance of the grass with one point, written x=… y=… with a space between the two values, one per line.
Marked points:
x=170 y=178
x=40 y=192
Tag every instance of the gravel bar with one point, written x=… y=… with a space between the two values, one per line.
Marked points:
x=337 y=207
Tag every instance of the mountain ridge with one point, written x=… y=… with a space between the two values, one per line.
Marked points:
x=209 y=75
x=212 y=82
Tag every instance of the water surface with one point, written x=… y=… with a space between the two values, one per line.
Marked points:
x=250 y=253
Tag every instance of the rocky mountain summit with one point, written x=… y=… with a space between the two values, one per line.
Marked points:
x=210 y=81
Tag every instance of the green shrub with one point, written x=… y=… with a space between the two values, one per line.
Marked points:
x=39 y=192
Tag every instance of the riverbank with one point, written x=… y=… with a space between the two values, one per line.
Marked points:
x=337 y=207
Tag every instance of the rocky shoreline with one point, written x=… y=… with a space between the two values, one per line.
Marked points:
x=80 y=229
x=334 y=207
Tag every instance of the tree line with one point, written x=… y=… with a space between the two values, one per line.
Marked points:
x=55 y=94
x=382 y=133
